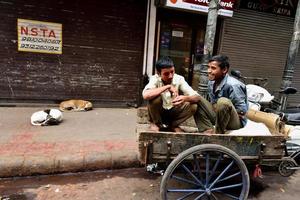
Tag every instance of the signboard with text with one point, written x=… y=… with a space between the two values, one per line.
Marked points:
x=202 y=6
x=39 y=36
x=278 y=7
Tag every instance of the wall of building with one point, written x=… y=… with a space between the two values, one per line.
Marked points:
x=102 y=57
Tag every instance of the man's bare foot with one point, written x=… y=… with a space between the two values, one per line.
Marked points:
x=178 y=130
x=154 y=127
x=209 y=132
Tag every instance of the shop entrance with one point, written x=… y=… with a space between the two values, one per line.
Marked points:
x=181 y=36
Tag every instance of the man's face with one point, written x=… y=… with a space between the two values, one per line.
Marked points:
x=167 y=74
x=215 y=73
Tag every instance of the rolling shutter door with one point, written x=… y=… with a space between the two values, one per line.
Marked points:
x=103 y=44
x=257 y=45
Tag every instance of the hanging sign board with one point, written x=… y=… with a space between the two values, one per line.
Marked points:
x=39 y=36
x=202 y=6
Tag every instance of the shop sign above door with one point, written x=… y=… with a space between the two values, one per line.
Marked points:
x=202 y=6
x=278 y=7
x=39 y=36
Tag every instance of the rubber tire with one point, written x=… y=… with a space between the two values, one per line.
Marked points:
x=200 y=148
x=291 y=163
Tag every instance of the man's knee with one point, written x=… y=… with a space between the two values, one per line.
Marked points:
x=155 y=110
x=193 y=108
x=156 y=102
x=224 y=103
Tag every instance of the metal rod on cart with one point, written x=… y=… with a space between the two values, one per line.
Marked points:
x=293 y=168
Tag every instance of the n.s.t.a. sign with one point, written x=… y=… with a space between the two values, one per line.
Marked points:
x=202 y=6
x=38 y=36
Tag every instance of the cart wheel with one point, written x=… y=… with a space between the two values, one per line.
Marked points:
x=284 y=167
x=207 y=171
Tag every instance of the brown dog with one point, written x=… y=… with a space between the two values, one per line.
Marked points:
x=75 y=105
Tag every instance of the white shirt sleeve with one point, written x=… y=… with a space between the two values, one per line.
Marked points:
x=178 y=82
x=153 y=83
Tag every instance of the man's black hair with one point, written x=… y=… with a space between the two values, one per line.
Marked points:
x=164 y=62
x=222 y=60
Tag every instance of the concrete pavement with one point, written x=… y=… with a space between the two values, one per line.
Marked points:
x=103 y=138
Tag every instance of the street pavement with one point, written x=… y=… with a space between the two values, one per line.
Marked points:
x=130 y=183
x=103 y=138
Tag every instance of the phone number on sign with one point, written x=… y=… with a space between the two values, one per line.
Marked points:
x=39 y=47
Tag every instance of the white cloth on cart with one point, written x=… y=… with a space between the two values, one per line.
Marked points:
x=251 y=128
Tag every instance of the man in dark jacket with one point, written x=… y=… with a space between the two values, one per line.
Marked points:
x=228 y=98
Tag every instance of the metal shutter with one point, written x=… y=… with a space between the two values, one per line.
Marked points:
x=257 y=44
x=103 y=44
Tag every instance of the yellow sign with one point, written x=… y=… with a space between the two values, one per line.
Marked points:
x=38 y=36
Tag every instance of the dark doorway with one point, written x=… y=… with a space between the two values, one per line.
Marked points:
x=181 y=36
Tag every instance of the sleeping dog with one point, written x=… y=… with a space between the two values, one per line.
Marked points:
x=46 y=117
x=75 y=105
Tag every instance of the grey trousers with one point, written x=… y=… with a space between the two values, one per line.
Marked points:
x=222 y=114
x=173 y=117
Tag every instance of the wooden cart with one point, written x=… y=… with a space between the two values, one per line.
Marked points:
x=210 y=166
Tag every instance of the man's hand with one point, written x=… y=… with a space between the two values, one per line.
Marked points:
x=174 y=91
x=182 y=98
x=178 y=100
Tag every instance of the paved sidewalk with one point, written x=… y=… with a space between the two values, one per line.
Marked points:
x=103 y=138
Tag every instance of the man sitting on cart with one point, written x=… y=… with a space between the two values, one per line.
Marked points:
x=228 y=100
x=171 y=99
